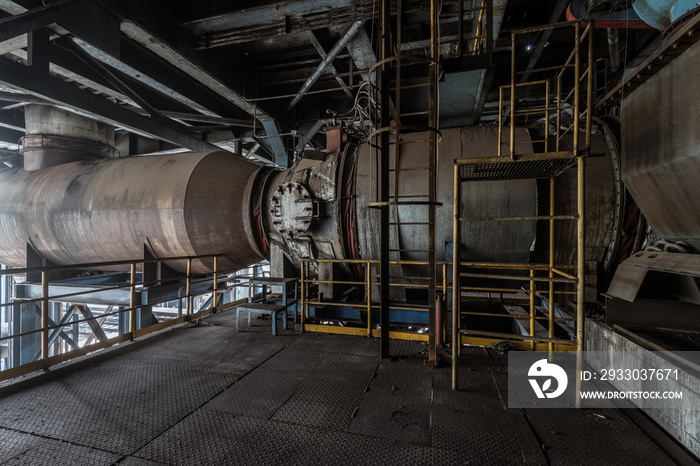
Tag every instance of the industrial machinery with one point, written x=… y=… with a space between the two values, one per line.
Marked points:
x=218 y=203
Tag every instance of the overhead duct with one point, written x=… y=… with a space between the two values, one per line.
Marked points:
x=55 y=136
x=661 y=13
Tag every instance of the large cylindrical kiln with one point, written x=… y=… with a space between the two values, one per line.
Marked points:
x=173 y=205
x=219 y=203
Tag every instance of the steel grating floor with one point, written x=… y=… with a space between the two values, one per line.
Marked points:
x=205 y=394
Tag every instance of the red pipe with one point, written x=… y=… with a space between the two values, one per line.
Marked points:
x=614 y=24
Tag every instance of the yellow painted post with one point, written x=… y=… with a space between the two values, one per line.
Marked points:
x=45 y=319
x=132 y=302
x=559 y=106
x=444 y=300
x=369 y=298
x=546 y=117
x=188 y=299
x=550 y=296
x=214 y=296
x=580 y=268
x=532 y=309
x=589 y=89
x=303 y=296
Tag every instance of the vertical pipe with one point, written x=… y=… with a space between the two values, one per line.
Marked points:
x=512 y=96
x=45 y=319
x=550 y=296
x=456 y=285
x=132 y=301
x=397 y=106
x=188 y=302
x=432 y=158
x=215 y=284
x=532 y=309
x=369 y=298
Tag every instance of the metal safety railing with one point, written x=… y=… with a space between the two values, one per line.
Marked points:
x=569 y=95
x=556 y=278
x=65 y=325
x=369 y=305
x=543 y=282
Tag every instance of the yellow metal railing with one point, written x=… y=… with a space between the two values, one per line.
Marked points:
x=530 y=165
x=568 y=95
x=47 y=359
x=554 y=280
x=307 y=300
x=488 y=294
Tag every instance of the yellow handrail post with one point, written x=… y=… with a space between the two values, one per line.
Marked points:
x=45 y=319
x=532 y=308
x=132 y=301
x=369 y=298
x=550 y=296
x=444 y=300
x=546 y=117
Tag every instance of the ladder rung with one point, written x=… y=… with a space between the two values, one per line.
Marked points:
x=411 y=86
x=413 y=114
x=415 y=196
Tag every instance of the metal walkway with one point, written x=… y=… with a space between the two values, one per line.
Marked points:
x=204 y=394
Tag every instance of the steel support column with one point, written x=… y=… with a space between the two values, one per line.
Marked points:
x=385 y=149
x=433 y=123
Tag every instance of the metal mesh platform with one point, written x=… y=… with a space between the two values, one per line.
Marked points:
x=523 y=167
x=208 y=395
